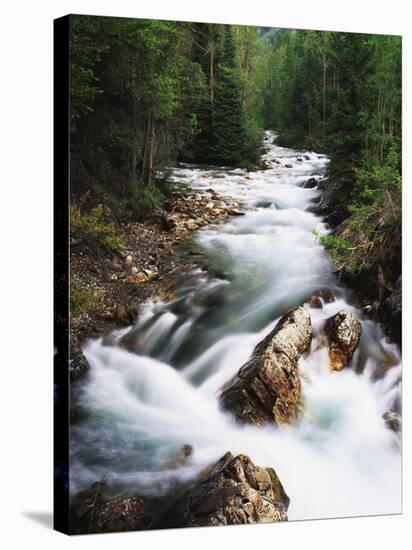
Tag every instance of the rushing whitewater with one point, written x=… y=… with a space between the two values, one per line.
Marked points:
x=156 y=387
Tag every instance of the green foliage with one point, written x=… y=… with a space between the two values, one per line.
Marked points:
x=81 y=299
x=343 y=252
x=380 y=177
x=93 y=225
x=86 y=50
x=144 y=92
x=341 y=93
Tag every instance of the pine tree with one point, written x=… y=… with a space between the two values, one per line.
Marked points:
x=228 y=124
x=348 y=122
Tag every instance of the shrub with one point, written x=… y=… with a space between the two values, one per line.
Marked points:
x=93 y=225
x=81 y=299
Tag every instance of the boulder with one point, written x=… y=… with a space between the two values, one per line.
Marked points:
x=264 y=165
x=343 y=330
x=288 y=166
x=310 y=183
x=124 y=315
x=233 y=491
x=121 y=514
x=323 y=294
x=78 y=365
x=267 y=388
x=393 y=420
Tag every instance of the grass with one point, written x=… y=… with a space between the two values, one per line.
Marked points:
x=81 y=299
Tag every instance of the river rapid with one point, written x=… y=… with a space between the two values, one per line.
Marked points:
x=155 y=387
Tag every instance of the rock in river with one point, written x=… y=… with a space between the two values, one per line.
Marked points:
x=320 y=296
x=343 y=330
x=393 y=420
x=121 y=514
x=267 y=388
x=233 y=491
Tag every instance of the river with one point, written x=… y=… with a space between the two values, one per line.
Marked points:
x=156 y=386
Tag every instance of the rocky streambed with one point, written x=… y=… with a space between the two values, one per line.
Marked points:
x=255 y=392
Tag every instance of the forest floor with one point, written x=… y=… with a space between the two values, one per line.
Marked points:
x=108 y=287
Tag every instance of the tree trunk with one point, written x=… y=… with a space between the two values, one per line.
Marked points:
x=324 y=87
x=212 y=73
x=150 y=172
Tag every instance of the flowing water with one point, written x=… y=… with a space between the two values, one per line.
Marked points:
x=156 y=387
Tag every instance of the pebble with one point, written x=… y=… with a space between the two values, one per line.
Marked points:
x=128 y=261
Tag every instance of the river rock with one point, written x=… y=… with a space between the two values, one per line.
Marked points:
x=391 y=311
x=288 y=166
x=233 y=491
x=128 y=261
x=191 y=225
x=343 y=330
x=182 y=456
x=310 y=183
x=121 y=514
x=315 y=301
x=264 y=165
x=267 y=388
x=78 y=365
x=116 y=265
x=124 y=315
x=393 y=420
x=169 y=222
x=236 y=212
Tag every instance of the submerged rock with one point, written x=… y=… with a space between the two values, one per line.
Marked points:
x=343 y=330
x=121 y=514
x=267 y=388
x=232 y=491
x=182 y=456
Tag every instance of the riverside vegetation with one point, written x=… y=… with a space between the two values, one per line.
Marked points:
x=134 y=111
x=172 y=130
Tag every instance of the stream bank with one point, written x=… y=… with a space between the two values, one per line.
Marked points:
x=149 y=419
x=377 y=283
x=156 y=254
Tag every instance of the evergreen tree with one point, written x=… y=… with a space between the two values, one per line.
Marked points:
x=228 y=123
x=348 y=122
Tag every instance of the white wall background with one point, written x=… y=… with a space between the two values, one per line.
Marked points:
x=26 y=223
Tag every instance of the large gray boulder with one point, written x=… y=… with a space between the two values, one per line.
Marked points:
x=343 y=330
x=267 y=388
x=232 y=491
